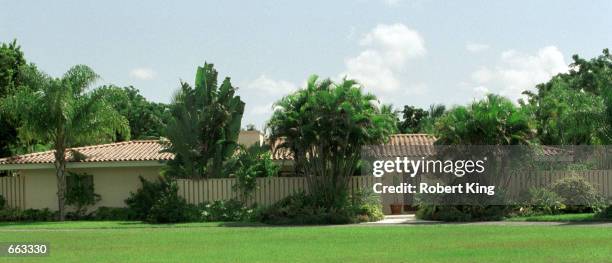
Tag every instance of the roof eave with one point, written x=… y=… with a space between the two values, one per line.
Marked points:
x=75 y=165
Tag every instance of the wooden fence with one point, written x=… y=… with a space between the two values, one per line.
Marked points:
x=12 y=188
x=273 y=189
x=269 y=190
x=600 y=179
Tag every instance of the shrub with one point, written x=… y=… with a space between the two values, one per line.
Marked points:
x=171 y=208
x=543 y=201
x=113 y=213
x=2 y=202
x=605 y=213
x=232 y=210
x=80 y=193
x=305 y=209
x=14 y=214
x=141 y=202
x=247 y=166
x=462 y=213
x=579 y=195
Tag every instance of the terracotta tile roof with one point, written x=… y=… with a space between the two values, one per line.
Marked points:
x=140 y=150
x=398 y=140
x=149 y=150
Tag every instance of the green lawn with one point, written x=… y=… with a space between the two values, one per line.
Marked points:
x=209 y=242
x=585 y=217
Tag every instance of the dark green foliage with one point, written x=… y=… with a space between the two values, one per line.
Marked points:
x=80 y=192
x=576 y=107
x=412 y=119
x=204 y=127
x=492 y=121
x=579 y=195
x=231 y=210
x=325 y=125
x=605 y=213
x=142 y=200
x=462 y=213
x=302 y=209
x=147 y=120
x=159 y=202
x=12 y=63
x=171 y=208
x=104 y=213
x=14 y=214
x=249 y=164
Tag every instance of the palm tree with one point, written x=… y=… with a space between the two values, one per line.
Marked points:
x=63 y=112
x=325 y=125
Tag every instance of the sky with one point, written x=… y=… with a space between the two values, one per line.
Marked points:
x=407 y=52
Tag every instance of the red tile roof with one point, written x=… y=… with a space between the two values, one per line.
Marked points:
x=149 y=150
x=398 y=140
x=142 y=150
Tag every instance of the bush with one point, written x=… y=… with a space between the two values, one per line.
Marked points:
x=2 y=202
x=141 y=202
x=605 y=213
x=159 y=202
x=247 y=166
x=113 y=213
x=579 y=195
x=14 y=214
x=232 y=210
x=543 y=201
x=302 y=209
x=171 y=208
x=462 y=213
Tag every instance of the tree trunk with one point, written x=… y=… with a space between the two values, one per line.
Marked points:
x=60 y=169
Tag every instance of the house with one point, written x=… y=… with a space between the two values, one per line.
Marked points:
x=114 y=170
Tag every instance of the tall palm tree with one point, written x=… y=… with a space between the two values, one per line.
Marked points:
x=65 y=113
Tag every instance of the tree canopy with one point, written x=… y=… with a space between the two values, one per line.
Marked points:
x=147 y=119
x=494 y=120
x=576 y=107
x=64 y=112
x=325 y=125
x=204 y=127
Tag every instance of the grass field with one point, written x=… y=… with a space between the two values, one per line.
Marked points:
x=210 y=242
x=584 y=217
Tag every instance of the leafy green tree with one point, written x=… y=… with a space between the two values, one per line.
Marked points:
x=325 y=125
x=412 y=119
x=204 y=127
x=12 y=63
x=146 y=119
x=417 y=120
x=64 y=112
x=494 y=120
x=576 y=107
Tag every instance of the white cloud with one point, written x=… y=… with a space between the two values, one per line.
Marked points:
x=387 y=49
x=416 y=89
x=392 y=2
x=476 y=47
x=271 y=86
x=262 y=109
x=142 y=73
x=516 y=72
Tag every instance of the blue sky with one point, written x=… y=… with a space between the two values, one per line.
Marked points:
x=415 y=52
